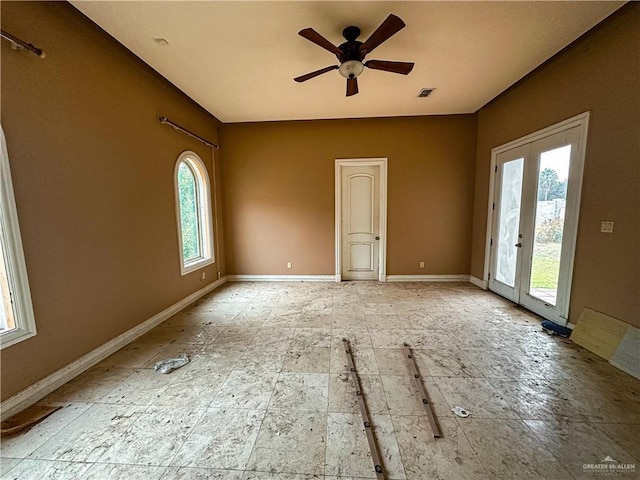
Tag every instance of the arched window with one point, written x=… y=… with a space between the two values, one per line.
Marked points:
x=193 y=208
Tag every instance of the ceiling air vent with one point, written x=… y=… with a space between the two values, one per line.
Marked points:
x=425 y=92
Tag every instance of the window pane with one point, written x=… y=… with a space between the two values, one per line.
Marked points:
x=547 y=245
x=189 y=218
x=509 y=221
x=6 y=309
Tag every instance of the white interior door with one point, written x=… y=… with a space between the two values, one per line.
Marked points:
x=535 y=216
x=360 y=222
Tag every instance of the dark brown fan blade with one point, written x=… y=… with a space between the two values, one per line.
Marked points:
x=304 y=78
x=352 y=86
x=396 y=67
x=313 y=36
x=389 y=27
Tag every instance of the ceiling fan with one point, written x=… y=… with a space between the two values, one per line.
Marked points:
x=351 y=53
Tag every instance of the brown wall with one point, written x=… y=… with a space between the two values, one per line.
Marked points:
x=279 y=181
x=93 y=177
x=600 y=72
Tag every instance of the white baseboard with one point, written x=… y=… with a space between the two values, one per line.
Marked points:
x=483 y=284
x=281 y=278
x=44 y=387
x=427 y=278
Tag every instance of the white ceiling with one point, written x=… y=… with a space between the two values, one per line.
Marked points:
x=238 y=58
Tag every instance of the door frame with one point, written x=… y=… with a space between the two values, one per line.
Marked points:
x=382 y=245
x=582 y=122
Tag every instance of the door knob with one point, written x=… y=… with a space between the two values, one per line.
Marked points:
x=377 y=238
x=519 y=245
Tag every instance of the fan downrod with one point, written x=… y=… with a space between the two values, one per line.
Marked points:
x=351 y=33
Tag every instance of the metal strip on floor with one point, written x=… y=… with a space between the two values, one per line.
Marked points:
x=422 y=390
x=373 y=447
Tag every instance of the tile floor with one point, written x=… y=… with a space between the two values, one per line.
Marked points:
x=266 y=395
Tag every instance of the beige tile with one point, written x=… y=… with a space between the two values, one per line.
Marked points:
x=429 y=339
x=273 y=339
x=561 y=438
x=315 y=320
x=371 y=306
x=223 y=438
x=155 y=437
x=281 y=476
x=536 y=399
x=449 y=457
x=393 y=361
x=364 y=360
x=358 y=338
x=343 y=399
x=283 y=318
x=404 y=398
x=301 y=391
x=90 y=386
x=143 y=387
x=509 y=449
x=135 y=355
x=626 y=436
x=389 y=338
x=475 y=395
x=290 y=442
x=191 y=388
x=348 y=320
x=311 y=337
x=447 y=363
x=246 y=389
x=231 y=338
x=198 y=335
x=90 y=435
x=23 y=444
x=108 y=471
x=308 y=360
x=348 y=450
x=256 y=360
x=188 y=473
x=160 y=334
x=46 y=470
x=6 y=464
x=377 y=321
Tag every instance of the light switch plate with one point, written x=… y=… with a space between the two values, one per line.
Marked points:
x=606 y=227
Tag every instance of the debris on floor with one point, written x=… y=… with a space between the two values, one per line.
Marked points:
x=461 y=412
x=552 y=328
x=26 y=419
x=170 y=364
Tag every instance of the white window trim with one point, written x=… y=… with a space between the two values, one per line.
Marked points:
x=24 y=319
x=204 y=195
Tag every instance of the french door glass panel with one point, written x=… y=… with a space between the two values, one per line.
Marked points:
x=509 y=221
x=551 y=202
x=535 y=222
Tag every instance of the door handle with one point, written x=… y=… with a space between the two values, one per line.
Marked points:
x=377 y=238
x=519 y=245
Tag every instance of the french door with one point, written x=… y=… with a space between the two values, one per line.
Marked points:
x=535 y=207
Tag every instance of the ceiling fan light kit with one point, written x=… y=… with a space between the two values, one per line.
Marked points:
x=351 y=68
x=351 y=53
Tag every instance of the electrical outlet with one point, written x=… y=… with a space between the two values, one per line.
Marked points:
x=421 y=264
x=203 y=276
x=606 y=227
x=288 y=264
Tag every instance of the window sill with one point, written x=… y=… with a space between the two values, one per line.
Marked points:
x=14 y=336
x=195 y=265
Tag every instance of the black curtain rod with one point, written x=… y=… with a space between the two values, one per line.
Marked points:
x=166 y=121
x=18 y=44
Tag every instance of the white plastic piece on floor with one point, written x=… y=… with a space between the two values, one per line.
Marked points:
x=166 y=366
x=461 y=412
